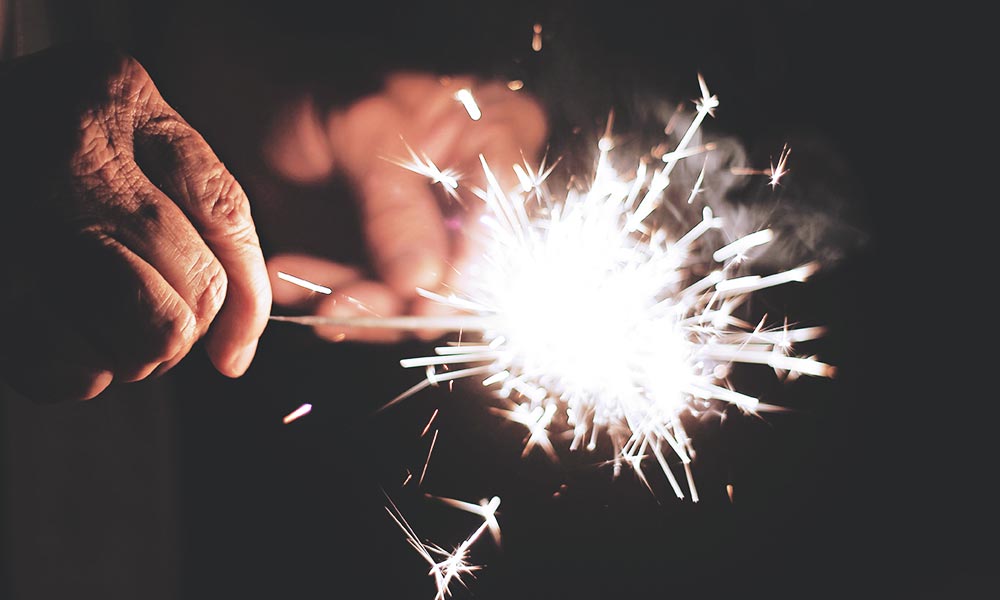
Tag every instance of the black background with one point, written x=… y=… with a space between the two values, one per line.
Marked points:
x=877 y=482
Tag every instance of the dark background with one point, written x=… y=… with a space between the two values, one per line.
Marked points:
x=875 y=484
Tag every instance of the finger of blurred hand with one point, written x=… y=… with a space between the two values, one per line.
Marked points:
x=360 y=299
x=218 y=208
x=350 y=296
x=310 y=268
x=404 y=228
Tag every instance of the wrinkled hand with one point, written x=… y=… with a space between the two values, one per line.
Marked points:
x=124 y=239
x=405 y=217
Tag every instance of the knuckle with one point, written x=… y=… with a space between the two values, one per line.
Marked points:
x=227 y=203
x=175 y=331
x=211 y=287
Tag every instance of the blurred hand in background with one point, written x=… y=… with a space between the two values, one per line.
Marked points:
x=411 y=225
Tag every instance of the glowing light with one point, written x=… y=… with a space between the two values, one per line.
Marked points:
x=314 y=287
x=536 y=37
x=299 y=412
x=515 y=85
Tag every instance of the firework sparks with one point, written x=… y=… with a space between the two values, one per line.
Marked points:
x=298 y=413
x=450 y=567
x=705 y=106
x=619 y=330
x=587 y=316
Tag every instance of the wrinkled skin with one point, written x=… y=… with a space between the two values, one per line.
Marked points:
x=123 y=238
x=405 y=217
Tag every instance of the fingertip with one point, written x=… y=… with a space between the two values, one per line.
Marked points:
x=57 y=381
x=232 y=339
x=98 y=383
x=429 y=308
x=311 y=269
x=235 y=362
x=414 y=269
x=360 y=299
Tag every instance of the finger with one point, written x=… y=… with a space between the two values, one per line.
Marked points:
x=53 y=362
x=218 y=208
x=123 y=305
x=426 y=98
x=149 y=224
x=404 y=228
x=310 y=268
x=360 y=299
x=48 y=379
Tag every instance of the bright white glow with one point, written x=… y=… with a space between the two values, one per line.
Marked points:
x=599 y=322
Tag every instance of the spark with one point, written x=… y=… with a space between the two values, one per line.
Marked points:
x=705 y=106
x=775 y=172
x=780 y=170
x=299 y=412
x=536 y=37
x=314 y=287
x=515 y=85
x=422 y=164
x=430 y=451
x=464 y=96
x=428 y=426
x=740 y=246
x=487 y=509
x=697 y=189
x=679 y=154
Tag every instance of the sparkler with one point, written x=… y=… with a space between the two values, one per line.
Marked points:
x=582 y=311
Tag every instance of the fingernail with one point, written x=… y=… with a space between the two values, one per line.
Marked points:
x=241 y=362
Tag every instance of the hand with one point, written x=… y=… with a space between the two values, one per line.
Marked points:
x=408 y=233
x=124 y=239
